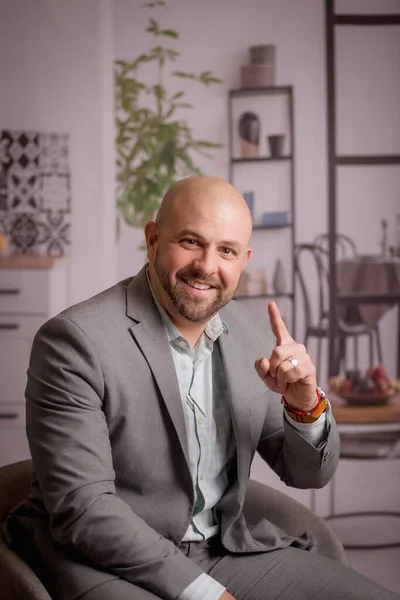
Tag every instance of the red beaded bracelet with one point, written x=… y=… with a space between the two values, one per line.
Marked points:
x=311 y=415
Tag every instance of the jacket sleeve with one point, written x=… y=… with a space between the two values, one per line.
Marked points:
x=72 y=457
x=296 y=460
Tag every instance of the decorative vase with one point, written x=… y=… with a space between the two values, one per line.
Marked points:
x=249 y=133
x=279 y=278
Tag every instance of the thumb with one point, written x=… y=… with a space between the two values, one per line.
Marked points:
x=262 y=366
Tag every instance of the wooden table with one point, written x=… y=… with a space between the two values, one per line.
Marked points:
x=379 y=413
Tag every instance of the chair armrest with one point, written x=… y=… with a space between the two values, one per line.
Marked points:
x=264 y=502
x=17 y=580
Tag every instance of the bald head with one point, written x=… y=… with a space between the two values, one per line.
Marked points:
x=212 y=195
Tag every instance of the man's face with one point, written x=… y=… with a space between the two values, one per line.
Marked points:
x=196 y=261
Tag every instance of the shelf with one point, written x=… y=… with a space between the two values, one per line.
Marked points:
x=258 y=296
x=363 y=298
x=367 y=19
x=261 y=91
x=267 y=163
x=262 y=159
x=261 y=226
x=378 y=159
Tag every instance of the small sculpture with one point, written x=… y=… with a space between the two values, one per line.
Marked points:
x=249 y=132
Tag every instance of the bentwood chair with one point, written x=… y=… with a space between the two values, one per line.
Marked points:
x=345 y=246
x=311 y=268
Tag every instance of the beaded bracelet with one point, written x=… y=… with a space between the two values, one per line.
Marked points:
x=307 y=416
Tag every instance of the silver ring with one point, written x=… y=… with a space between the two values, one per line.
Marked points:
x=294 y=361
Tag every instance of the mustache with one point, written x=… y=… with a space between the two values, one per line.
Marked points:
x=199 y=276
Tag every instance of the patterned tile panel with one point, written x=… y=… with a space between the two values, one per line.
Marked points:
x=35 y=192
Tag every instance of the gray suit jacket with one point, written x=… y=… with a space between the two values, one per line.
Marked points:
x=112 y=487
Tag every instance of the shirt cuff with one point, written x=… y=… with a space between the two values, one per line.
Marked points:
x=203 y=587
x=315 y=432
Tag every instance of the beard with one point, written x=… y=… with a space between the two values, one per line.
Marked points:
x=193 y=309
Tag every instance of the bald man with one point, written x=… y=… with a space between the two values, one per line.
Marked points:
x=145 y=407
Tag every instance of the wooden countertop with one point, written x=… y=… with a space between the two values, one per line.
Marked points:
x=28 y=261
x=379 y=413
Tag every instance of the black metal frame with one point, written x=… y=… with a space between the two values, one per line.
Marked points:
x=332 y=20
x=286 y=90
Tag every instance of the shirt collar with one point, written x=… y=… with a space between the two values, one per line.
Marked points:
x=213 y=328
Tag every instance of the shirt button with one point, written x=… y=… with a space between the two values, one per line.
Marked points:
x=201 y=476
x=200 y=421
x=182 y=344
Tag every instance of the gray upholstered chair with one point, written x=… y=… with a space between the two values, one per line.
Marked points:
x=17 y=580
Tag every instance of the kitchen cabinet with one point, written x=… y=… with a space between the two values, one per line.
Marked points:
x=32 y=289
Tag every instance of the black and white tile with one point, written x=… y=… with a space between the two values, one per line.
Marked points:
x=54 y=232
x=35 y=192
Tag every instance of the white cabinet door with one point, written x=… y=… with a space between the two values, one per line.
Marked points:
x=24 y=291
x=13 y=365
x=13 y=441
x=16 y=337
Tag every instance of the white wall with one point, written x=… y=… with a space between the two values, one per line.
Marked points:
x=56 y=76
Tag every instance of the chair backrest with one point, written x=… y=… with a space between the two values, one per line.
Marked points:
x=345 y=247
x=311 y=265
x=17 y=580
x=311 y=273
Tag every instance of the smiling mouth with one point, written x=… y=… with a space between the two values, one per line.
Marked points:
x=198 y=286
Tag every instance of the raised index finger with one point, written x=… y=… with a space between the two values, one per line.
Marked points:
x=278 y=325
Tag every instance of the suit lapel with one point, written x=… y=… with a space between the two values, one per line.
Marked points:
x=239 y=391
x=149 y=333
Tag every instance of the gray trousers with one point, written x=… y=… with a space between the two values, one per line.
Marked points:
x=289 y=574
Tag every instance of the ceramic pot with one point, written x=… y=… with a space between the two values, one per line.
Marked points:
x=275 y=143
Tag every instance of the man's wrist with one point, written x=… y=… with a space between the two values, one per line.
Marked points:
x=311 y=415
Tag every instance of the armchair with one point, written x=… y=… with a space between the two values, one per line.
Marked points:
x=18 y=581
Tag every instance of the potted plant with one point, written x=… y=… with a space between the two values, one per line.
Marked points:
x=155 y=144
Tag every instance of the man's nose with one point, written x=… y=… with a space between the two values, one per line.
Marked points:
x=206 y=261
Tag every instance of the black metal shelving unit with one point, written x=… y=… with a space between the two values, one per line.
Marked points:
x=283 y=90
x=335 y=161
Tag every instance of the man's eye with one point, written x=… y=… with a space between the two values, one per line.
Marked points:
x=227 y=251
x=189 y=241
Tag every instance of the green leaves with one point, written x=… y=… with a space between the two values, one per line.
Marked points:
x=155 y=148
x=208 y=78
x=153 y=4
x=170 y=33
x=205 y=77
x=154 y=28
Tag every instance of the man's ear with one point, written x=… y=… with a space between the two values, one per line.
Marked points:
x=151 y=236
x=248 y=256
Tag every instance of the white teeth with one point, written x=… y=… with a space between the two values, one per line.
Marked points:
x=199 y=286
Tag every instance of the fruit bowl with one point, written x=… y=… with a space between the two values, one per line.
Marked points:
x=373 y=387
